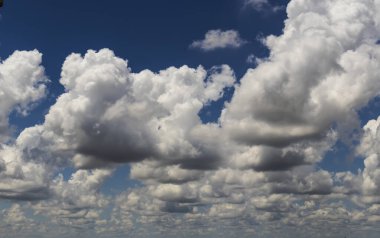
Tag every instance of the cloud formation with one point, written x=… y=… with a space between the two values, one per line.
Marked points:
x=256 y=169
x=218 y=39
x=111 y=115
x=320 y=71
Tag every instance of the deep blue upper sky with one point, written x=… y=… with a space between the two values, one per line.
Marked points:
x=150 y=34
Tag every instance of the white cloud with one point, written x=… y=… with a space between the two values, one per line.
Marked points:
x=76 y=202
x=321 y=70
x=218 y=39
x=20 y=179
x=22 y=83
x=370 y=148
x=110 y=115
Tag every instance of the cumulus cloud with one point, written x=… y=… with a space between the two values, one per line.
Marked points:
x=218 y=39
x=77 y=202
x=320 y=71
x=257 y=165
x=369 y=148
x=110 y=115
x=22 y=82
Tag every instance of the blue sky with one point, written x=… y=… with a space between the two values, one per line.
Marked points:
x=190 y=118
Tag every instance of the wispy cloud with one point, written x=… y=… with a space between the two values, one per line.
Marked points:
x=263 y=5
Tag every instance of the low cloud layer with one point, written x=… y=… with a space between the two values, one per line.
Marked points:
x=257 y=169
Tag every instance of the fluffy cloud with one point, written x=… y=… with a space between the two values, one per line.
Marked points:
x=321 y=70
x=20 y=179
x=77 y=202
x=369 y=148
x=22 y=83
x=110 y=115
x=218 y=39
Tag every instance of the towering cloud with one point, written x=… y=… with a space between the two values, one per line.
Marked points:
x=321 y=70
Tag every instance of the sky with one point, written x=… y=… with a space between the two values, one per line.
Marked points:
x=232 y=118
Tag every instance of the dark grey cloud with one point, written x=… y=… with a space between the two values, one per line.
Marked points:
x=177 y=208
x=277 y=160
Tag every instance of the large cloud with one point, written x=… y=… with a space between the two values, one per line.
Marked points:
x=109 y=114
x=321 y=70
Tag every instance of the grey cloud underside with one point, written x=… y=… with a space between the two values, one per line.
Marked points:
x=25 y=194
x=207 y=161
x=112 y=145
x=256 y=168
x=275 y=161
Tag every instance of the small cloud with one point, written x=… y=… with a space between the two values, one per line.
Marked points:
x=257 y=4
x=218 y=39
x=262 y=5
x=251 y=59
x=254 y=60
